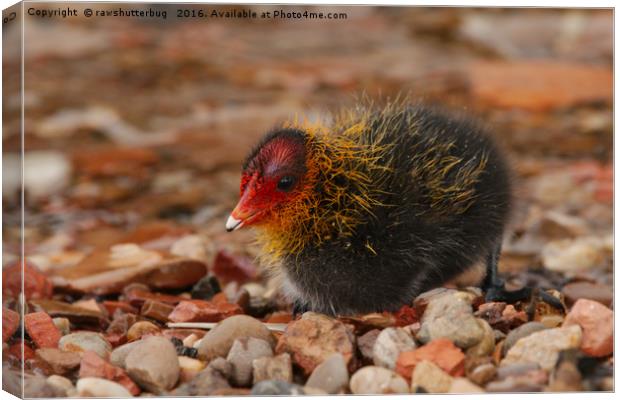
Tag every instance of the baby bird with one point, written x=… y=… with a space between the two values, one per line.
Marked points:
x=365 y=213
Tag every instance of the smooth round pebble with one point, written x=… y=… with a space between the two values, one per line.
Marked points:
x=140 y=328
x=79 y=342
x=218 y=341
x=521 y=332
x=153 y=364
x=277 y=388
x=331 y=376
x=389 y=344
x=241 y=355
x=119 y=354
x=97 y=387
x=377 y=380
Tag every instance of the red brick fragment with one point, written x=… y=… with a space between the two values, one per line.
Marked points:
x=10 y=323
x=94 y=366
x=15 y=350
x=42 y=330
x=230 y=267
x=203 y=311
x=111 y=307
x=137 y=296
x=36 y=284
x=406 y=316
x=597 y=324
x=440 y=351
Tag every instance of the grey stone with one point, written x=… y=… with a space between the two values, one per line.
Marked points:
x=389 y=344
x=241 y=355
x=377 y=380
x=81 y=341
x=331 y=375
x=218 y=341
x=521 y=332
x=153 y=364
x=214 y=377
x=277 y=388
x=97 y=387
x=273 y=368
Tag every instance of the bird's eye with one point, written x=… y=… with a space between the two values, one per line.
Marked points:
x=286 y=183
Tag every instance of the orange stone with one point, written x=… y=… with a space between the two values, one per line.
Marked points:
x=203 y=311
x=94 y=366
x=10 y=323
x=42 y=330
x=440 y=351
x=36 y=284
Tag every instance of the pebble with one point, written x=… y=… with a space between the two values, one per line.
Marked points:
x=377 y=380
x=543 y=346
x=58 y=361
x=119 y=354
x=241 y=355
x=156 y=310
x=203 y=311
x=486 y=344
x=330 y=376
x=588 y=290
x=451 y=316
x=464 y=385
x=153 y=364
x=366 y=343
x=389 y=344
x=482 y=374
x=63 y=325
x=442 y=352
x=79 y=342
x=190 y=367
x=273 y=368
x=521 y=332
x=62 y=384
x=141 y=328
x=42 y=330
x=218 y=341
x=206 y=288
x=597 y=324
x=430 y=377
x=98 y=387
x=214 y=377
x=232 y=267
x=574 y=255
x=10 y=323
x=36 y=284
x=313 y=338
x=190 y=340
x=551 y=320
x=277 y=388
x=94 y=366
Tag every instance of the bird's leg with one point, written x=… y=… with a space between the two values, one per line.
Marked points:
x=495 y=287
x=299 y=308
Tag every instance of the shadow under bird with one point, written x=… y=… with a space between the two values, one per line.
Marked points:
x=366 y=212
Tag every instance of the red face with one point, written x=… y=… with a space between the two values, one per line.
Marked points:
x=271 y=178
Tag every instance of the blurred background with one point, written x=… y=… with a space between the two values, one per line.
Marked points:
x=135 y=129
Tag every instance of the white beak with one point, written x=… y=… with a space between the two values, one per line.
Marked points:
x=233 y=224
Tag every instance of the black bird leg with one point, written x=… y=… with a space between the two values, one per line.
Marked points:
x=299 y=308
x=495 y=287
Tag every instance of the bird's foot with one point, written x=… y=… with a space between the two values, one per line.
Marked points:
x=498 y=292
x=299 y=308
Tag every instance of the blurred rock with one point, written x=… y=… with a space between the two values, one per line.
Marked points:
x=596 y=322
x=313 y=338
x=206 y=288
x=153 y=364
x=450 y=316
x=543 y=346
x=156 y=310
x=586 y=290
x=430 y=377
x=77 y=315
x=203 y=311
x=482 y=374
x=580 y=254
x=330 y=376
x=522 y=331
x=10 y=323
x=62 y=384
x=377 y=380
x=442 y=352
x=119 y=354
x=63 y=325
x=92 y=365
x=42 y=330
x=486 y=345
x=277 y=388
x=190 y=367
x=46 y=173
x=464 y=385
x=241 y=355
x=140 y=329
x=214 y=377
x=218 y=341
x=366 y=343
x=389 y=344
x=230 y=267
x=36 y=285
x=57 y=361
x=80 y=342
x=97 y=387
x=272 y=368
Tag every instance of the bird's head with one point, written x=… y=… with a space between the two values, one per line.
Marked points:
x=274 y=179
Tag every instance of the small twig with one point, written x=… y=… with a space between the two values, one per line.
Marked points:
x=210 y=325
